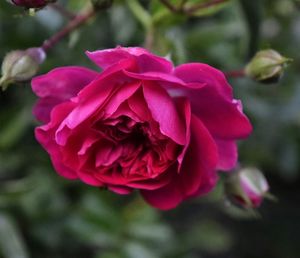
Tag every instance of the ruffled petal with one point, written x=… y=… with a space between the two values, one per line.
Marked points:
x=228 y=154
x=205 y=74
x=164 y=198
x=90 y=100
x=45 y=136
x=164 y=112
x=145 y=60
x=197 y=173
x=184 y=109
x=213 y=103
x=198 y=168
x=57 y=86
x=120 y=189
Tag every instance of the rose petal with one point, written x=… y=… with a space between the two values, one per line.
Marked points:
x=198 y=168
x=139 y=106
x=45 y=136
x=197 y=174
x=164 y=112
x=157 y=76
x=120 y=189
x=89 y=104
x=213 y=104
x=205 y=74
x=59 y=85
x=107 y=154
x=184 y=109
x=144 y=59
x=228 y=154
x=166 y=197
x=120 y=96
x=43 y=107
x=89 y=179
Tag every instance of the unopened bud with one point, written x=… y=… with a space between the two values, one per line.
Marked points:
x=21 y=66
x=247 y=187
x=267 y=66
x=31 y=3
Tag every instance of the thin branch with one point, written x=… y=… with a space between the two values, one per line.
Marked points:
x=149 y=38
x=170 y=6
x=191 y=9
x=182 y=3
x=197 y=7
x=235 y=74
x=71 y=26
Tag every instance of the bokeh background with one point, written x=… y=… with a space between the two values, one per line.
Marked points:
x=45 y=216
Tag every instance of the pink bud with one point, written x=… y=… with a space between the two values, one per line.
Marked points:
x=247 y=187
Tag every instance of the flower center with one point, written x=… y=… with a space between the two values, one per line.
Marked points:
x=133 y=148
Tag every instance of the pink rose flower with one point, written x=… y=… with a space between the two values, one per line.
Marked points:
x=140 y=124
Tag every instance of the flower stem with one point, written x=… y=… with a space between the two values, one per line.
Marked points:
x=140 y=13
x=235 y=73
x=149 y=38
x=197 y=7
x=71 y=26
x=145 y=19
x=170 y=6
x=191 y=9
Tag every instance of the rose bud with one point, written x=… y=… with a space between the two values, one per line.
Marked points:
x=247 y=187
x=21 y=65
x=141 y=124
x=31 y=3
x=266 y=66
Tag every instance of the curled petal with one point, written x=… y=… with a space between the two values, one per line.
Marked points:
x=213 y=103
x=197 y=175
x=57 y=86
x=45 y=136
x=164 y=112
x=145 y=60
x=120 y=189
x=228 y=154
x=90 y=101
x=184 y=109
x=203 y=73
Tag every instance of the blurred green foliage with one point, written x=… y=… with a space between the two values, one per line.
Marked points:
x=43 y=215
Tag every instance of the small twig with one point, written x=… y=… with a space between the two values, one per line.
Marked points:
x=182 y=3
x=149 y=38
x=191 y=9
x=72 y=25
x=235 y=73
x=63 y=11
x=170 y=6
x=197 y=7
